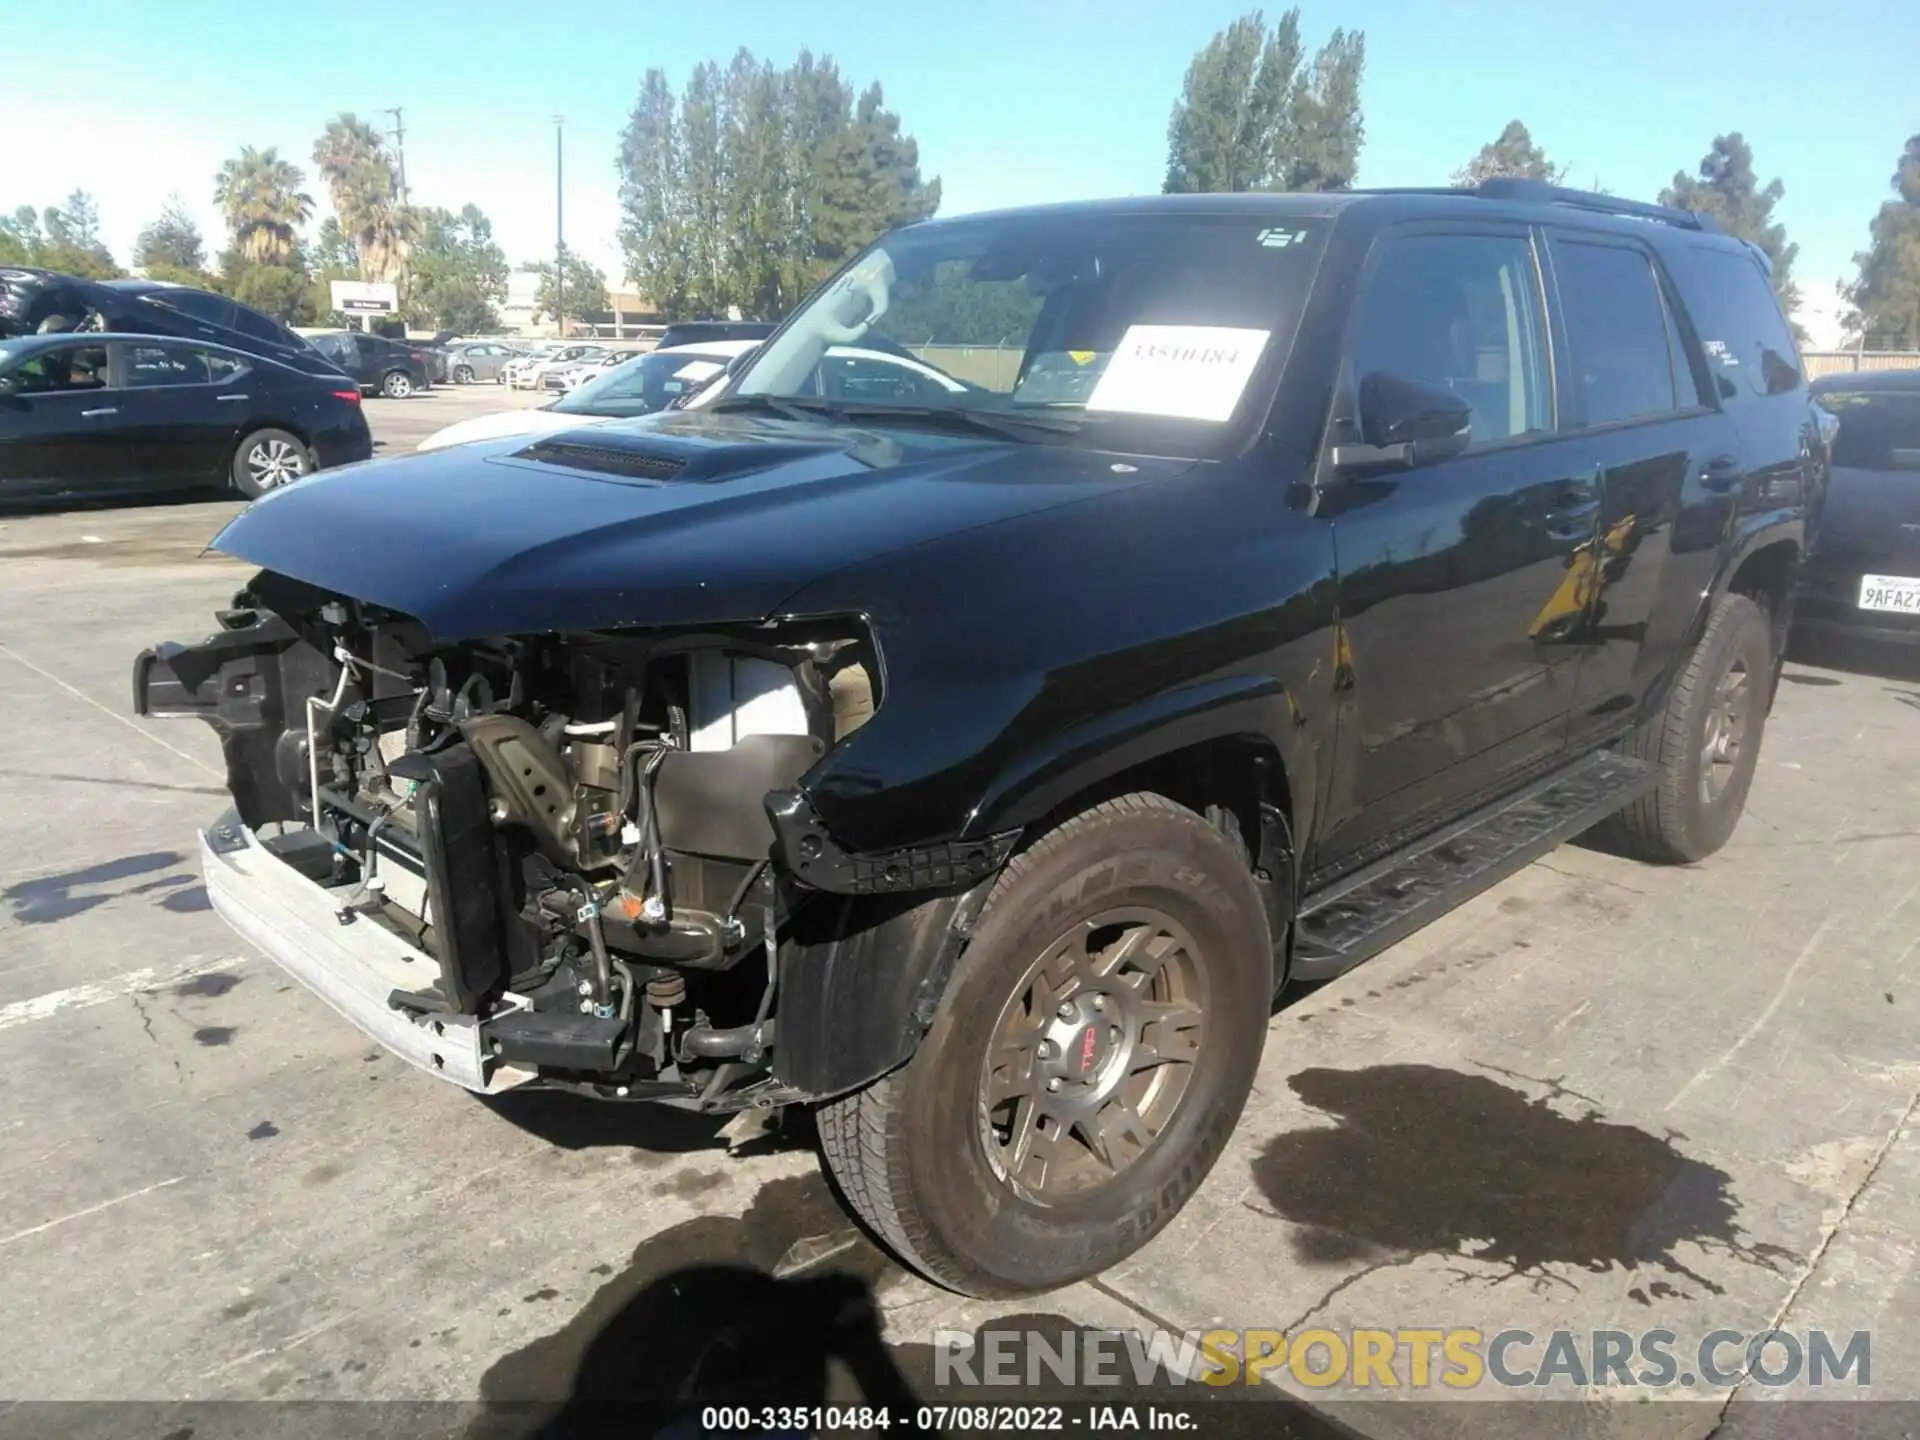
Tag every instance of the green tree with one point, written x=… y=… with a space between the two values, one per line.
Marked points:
x=72 y=239
x=1251 y=117
x=1884 y=299
x=758 y=183
x=586 y=294
x=21 y=237
x=457 y=272
x=1726 y=188
x=364 y=185
x=1514 y=155
x=172 y=242
x=283 y=291
x=259 y=194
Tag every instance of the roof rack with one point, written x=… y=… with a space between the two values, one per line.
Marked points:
x=1538 y=192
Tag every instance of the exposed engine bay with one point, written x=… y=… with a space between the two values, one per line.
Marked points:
x=574 y=827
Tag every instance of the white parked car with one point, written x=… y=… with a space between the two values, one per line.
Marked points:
x=575 y=373
x=690 y=375
x=530 y=377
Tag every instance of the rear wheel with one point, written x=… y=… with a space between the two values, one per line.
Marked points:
x=396 y=385
x=1707 y=739
x=1095 y=1050
x=463 y=374
x=267 y=460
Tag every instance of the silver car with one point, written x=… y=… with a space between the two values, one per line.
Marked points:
x=478 y=360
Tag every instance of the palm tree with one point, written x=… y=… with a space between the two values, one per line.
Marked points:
x=259 y=194
x=364 y=187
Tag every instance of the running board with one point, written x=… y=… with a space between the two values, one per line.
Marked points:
x=1357 y=917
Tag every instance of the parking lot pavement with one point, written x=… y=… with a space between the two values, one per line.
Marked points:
x=1602 y=1095
x=400 y=425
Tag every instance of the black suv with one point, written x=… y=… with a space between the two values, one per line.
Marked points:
x=35 y=301
x=706 y=332
x=380 y=366
x=975 y=769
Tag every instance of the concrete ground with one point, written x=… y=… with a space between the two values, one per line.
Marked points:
x=1602 y=1096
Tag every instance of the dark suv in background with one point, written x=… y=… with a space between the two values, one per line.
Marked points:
x=35 y=301
x=380 y=366
x=974 y=768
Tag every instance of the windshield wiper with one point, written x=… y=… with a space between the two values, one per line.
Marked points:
x=943 y=417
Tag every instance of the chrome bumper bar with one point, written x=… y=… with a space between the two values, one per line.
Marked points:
x=354 y=968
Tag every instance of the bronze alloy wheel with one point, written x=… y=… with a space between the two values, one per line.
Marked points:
x=1092 y=1054
x=1726 y=730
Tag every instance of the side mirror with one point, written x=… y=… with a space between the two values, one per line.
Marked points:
x=1404 y=423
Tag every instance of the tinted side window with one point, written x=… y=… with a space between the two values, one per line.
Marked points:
x=214 y=309
x=1461 y=312
x=1617 y=329
x=257 y=326
x=222 y=366
x=81 y=367
x=1748 y=342
x=148 y=366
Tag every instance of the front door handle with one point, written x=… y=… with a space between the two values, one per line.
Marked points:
x=1722 y=474
x=108 y=410
x=228 y=399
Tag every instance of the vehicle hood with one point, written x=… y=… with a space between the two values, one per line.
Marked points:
x=673 y=519
x=502 y=425
x=1874 y=504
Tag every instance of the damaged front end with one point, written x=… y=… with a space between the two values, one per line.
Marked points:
x=582 y=860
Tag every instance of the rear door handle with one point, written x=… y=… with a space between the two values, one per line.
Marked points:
x=226 y=399
x=109 y=410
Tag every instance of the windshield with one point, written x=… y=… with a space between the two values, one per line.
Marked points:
x=1879 y=430
x=642 y=386
x=1125 y=330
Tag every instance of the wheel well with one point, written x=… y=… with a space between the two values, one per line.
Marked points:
x=1763 y=575
x=1225 y=779
x=1764 y=578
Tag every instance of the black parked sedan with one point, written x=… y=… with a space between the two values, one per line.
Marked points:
x=1863 y=576
x=381 y=366
x=35 y=301
x=126 y=414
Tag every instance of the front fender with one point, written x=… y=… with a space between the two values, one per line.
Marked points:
x=1036 y=782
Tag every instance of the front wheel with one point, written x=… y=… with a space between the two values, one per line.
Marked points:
x=1096 y=1047
x=396 y=385
x=267 y=460
x=463 y=374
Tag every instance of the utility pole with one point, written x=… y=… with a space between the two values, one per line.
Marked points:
x=559 y=232
x=399 y=135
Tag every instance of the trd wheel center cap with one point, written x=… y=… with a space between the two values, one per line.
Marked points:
x=1086 y=1046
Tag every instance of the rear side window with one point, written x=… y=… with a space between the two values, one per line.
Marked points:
x=257 y=326
x=214 y=309
x=148 y=366
x=1749 y=345
x=1879 y=430
x=1622 y=358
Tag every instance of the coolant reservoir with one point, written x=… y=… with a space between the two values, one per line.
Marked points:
x=733 y=696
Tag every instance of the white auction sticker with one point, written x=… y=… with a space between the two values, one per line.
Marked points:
x=1195 y=372
x=697 y=370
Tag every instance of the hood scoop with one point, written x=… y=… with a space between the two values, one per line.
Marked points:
x=649 y=455
x=619 y=460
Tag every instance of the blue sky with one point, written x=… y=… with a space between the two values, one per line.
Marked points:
x=1011 y=102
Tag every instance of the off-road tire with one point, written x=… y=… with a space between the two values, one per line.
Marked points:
x=1675 y=824
x=396 y=385
x=908 y=1152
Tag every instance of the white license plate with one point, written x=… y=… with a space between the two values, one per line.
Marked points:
x=1899 y=594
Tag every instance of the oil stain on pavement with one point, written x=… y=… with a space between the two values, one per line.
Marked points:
x=1426 y=1160
x=776 y=1306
